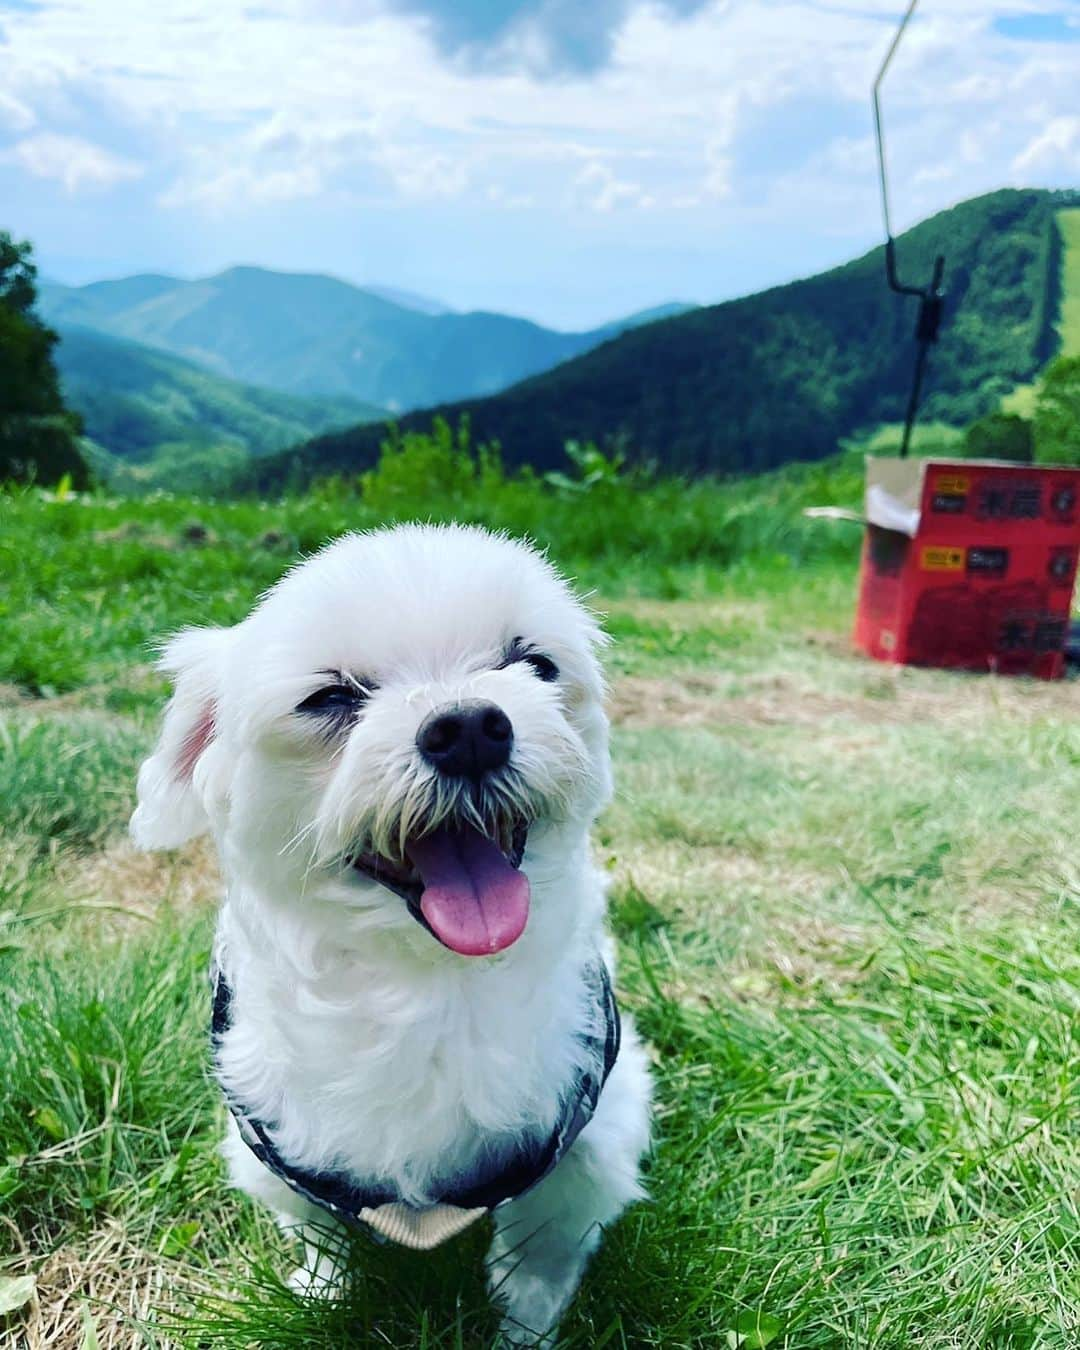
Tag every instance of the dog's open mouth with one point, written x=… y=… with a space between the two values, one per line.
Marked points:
x=462 y=885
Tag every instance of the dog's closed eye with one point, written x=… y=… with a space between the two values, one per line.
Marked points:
x=338 y=699
x=520 y=651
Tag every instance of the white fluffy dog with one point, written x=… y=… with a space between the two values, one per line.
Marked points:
x=400 y=753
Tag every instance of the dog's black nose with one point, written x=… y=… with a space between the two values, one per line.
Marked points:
x=467 y=741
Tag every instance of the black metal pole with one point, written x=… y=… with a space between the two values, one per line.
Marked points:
x=913 y=399
x=925 y=333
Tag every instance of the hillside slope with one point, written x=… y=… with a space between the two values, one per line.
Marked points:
x=134 y=401
x=314 y=335
x=788 y=373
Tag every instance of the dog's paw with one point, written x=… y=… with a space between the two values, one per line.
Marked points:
x=514 y=1336
x=317 y=1282
x=532 y=1306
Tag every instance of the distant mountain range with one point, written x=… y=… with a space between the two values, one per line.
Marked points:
x=785 y=374
x=136 y=402
x=408 y=299
x=319 y=337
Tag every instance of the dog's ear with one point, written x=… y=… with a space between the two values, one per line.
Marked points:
x=173 y=786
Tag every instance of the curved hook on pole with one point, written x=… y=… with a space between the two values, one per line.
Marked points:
x=890 y=254
x=930 y=297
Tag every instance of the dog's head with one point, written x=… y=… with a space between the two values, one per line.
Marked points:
x=410 y=723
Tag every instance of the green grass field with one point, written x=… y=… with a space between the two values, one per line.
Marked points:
x=1069 y=322
x=847 y=904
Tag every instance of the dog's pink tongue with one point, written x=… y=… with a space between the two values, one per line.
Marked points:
x=475 y=902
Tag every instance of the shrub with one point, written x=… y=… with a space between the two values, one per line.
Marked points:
x=1057 y=413
x=1000 y=435
x=438 y=467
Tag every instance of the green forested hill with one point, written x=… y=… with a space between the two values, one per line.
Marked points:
x=134 y=401
x=788 y=373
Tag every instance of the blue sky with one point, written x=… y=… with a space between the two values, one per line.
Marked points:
x=571 y=160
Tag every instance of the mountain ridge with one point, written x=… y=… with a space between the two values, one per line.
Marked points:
x=314 y=335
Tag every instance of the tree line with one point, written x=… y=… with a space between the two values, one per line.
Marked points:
x=38 y=435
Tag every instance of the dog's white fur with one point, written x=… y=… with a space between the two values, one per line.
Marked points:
x=370 y=1047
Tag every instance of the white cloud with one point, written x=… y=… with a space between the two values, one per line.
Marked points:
x=422 y=175
x=242 y=186
x=516 y=201
x=1056 y=148
x=718 y=180
x=284 y=101
x=601 y=190
x=76 y=163
x=15 y=116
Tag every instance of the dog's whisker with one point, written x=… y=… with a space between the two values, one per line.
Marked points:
x=297 y=839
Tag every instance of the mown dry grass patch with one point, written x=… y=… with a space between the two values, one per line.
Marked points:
x=135 y=691
x=131 y=886
x=714 y=612
x=737 y=924
x=777 y=833
x=871 y=695
x=102 y=1291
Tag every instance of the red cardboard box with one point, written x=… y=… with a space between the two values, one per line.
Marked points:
x=968 y=564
